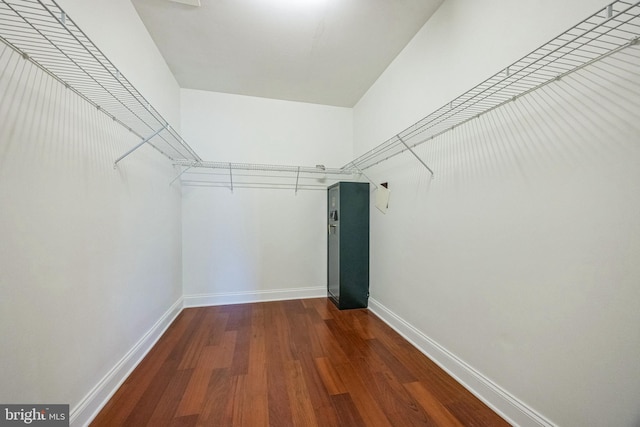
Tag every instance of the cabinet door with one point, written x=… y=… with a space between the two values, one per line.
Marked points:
x=334 y=241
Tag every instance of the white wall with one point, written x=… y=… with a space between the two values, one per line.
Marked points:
x=520 y=257
x=236 y=128
x=257 y=241
x=90 y=256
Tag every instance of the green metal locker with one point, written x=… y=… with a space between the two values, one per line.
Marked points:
x=348 y=244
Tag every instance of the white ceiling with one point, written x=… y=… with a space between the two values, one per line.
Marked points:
x=319 y=51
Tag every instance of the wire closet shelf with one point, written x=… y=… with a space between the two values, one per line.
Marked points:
x=254 y=175
x=604 y=33
x=42 y=33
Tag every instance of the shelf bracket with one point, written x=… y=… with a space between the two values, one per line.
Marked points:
x=231 y=177
x=297 y=179
x=144 y=141
x=364 y=174
x=415 y=155
x=181 y=173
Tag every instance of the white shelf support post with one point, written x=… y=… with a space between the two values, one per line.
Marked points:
x=231 y=177
x=415 y=155
x=297 y=179
x=144 y=141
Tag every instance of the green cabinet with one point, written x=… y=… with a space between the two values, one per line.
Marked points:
x=348 y=244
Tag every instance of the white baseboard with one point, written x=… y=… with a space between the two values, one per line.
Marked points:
x=85 y=411
x=203 y=300
x=502 y=402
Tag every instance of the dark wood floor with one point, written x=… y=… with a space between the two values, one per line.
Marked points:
x=289 y=363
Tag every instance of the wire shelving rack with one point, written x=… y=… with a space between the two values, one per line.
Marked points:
x=610 y=30
x=252 y=175
x=42 y=33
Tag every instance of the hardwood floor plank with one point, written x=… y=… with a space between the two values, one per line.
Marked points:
x=195 y=393
x=432 y=405
x=316 y=348
x=368 y=407
x=294 y=306
x=168 y=404
x=348 y=413
x=278 y=397
x=195 y=343
x=363 y=325
x=240 y=401
x=349 y=342
x=301 y=406
x=441 y=384
x=388 y=392
x=330 y=346
x=278 y=336
x=391 y=362
x=330 y=377
x=313 y=315
x=256 y=399
x=239 y=316
x=218 y=328
x=223 y=354
x=148 y=402
x=322 y=307
x=289 y=363
x=322 y=405
x=218 y=409
x=240 y=362
x=401 y=408
x=277 y=352
x=208 y=356
x=189 y=421
x=299 y=336
x=383 y=375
